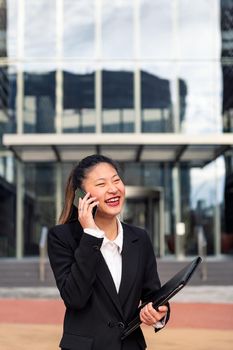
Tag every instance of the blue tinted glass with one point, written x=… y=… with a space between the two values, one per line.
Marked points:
x=39 y=207
x=117 y=100
x=156 y=98
x=39 y=100
x=7 y=99
x=78 y=99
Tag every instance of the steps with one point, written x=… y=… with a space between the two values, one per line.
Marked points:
x=25 y=272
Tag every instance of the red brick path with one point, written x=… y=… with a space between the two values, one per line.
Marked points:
x=184 y=315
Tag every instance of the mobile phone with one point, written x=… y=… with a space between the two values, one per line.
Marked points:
x=79 y=193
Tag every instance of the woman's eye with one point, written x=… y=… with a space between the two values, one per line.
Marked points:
x=116 y=180
x=101 y=184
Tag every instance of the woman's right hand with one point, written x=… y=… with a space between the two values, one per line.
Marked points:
x=85 y=207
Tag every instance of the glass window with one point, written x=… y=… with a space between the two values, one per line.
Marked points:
x=3 y=28
x=79 y=28
x=117 y=28
x=39 y=203
x=40 y=28
x=66 y=170
x=206 y=202
x=7 y=99
x=200 y=97
x=132 y=174
x=198 y=29
x=156 y=98
x=227 y=64
x=117 y=99
x=7 y=219
x=78 y=100
x=7 y=205
x=156 y=39
x=227 y=100
x=152 y=174
x=39 y=99
x=227 y=237
x=11 y=27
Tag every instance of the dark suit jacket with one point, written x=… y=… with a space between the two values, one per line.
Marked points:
x=95 y=312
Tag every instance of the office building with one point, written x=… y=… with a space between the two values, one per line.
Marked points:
x=148 y=83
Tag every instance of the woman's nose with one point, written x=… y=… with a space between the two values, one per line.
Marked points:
x=112 y=189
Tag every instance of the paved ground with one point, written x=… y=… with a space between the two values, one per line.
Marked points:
x=36 y=324
x=46 y=337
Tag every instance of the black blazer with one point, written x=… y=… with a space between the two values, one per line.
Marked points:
x=95 y=313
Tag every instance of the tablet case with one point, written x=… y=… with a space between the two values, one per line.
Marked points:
x=166 y=292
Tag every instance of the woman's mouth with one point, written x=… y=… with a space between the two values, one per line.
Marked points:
x=113 y=202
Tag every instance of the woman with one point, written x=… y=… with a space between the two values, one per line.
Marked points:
x=103 y=268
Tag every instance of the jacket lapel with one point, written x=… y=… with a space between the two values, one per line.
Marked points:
x=105 y=277
x=130 y=257
x=102 y=271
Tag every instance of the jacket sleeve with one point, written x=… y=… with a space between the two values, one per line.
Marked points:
x=74 y=270
x=151 y=281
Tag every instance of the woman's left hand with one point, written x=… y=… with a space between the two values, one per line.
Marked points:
x=150 y=316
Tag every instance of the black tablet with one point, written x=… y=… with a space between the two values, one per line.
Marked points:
x=166 y=292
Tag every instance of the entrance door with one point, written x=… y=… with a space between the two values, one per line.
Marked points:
x=143 y=209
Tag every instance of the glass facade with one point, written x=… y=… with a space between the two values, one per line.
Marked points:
x=125 y=66
x=79 y=113
x=39 y=203
x=36 y=45
x=118 y=113
x=78 y=23
x=156 y=98
x=38 y=101
x=117 y=29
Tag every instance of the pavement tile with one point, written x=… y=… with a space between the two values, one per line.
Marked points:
x=31 y=320
x=188 y=315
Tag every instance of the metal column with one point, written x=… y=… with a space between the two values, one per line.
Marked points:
x=19 y=210
x=58 y=197
x=179 y=238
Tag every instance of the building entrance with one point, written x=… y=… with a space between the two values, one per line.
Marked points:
x=144 y=208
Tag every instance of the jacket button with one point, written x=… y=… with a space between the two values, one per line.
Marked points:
x=121 y=325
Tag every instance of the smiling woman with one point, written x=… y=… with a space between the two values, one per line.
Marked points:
x=90 y=176
x=103 y=268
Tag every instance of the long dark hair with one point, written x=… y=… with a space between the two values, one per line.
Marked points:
x=75 y=179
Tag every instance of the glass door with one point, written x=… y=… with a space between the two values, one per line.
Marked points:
x=142 y=208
